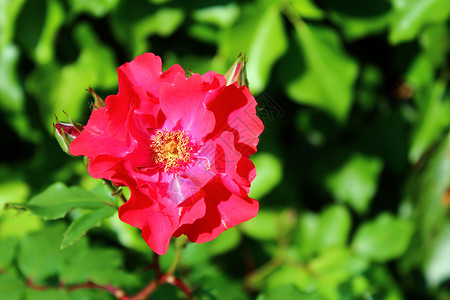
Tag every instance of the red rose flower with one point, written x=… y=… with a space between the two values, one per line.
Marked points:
x=182 y=146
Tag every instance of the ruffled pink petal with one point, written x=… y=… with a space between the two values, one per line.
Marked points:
x=214 y=80
x=236 y=170
x=146 y=71
x=183 y=103
x=223 y=211
x=246 y=123
x=234 y=110
x=189 y=214
x=118 y=108
x=94 y=140
x=157 y=226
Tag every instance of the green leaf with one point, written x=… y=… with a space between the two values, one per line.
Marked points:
x=434 y=40
x=216 y=285
x=7 y=252
x=55 y=16
x=220 y=15
x=357 y=27
x=269 y=172
x=383 y=239
x=225 y=242
x=11 y=287
x=411 y=16
x=307 y=9
x=81 y=264
x=358 y=19
x=294 y=275
x=58 y=88
x=80 y=226
x=337 y=265
x=262 y=227
x=8 y=14
x=437 y=266
x=37 y=27
x=306 y=234
x=135 y=21
x=197 y=254
x=333 y=228
x=13 y=190
x=12 y=222
x=38 y=256
x=260 y=34
x=57 y=200
x=97 y=8
x=427 y=189
x=50 y=294
x=288 y=292
x=433 y=117
x=320 y=73
x=356 y=181
x=11 y=93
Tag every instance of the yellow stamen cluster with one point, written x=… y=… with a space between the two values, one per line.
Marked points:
x=171 y=149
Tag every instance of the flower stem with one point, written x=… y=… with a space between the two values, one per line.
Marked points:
x=180 y=244
x=116 y=191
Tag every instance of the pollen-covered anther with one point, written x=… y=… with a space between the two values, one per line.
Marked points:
x=172 y=150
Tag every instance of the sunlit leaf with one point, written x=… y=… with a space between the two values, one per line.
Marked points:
x=435 y=41
x=296 y=276
x=320 y=73
x=37 y=28
x=357 y=27
x=288 y=292
x=333 y=228
x=134 y=22
x=383 y=239
x=7 y=252
x=11 y=93
x=50 y=294
x=437 y=267
x=270 y=172
x=260 y=34
x=38 y=256
x=434 y=107
x=265 y=226
x=306 y=234
x=220 y=15
x=11 y=287
x=411 y=16
x=216 y=285
x=338 y=265
x=356 y=181
x=360 y=19
x=307 y=9
x=8 y=14
x=60 y=88
x=97 y=8
x=81 y=225
x=57 y=200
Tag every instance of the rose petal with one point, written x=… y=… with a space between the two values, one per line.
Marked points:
x=223 y=211
x=145 y=71
x=157 y=226
x=187 y=95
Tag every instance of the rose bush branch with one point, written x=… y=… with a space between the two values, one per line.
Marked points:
x=118 y=293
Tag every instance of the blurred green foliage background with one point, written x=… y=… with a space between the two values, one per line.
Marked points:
x=353 y=166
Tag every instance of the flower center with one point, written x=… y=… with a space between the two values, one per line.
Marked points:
x=172 y=150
